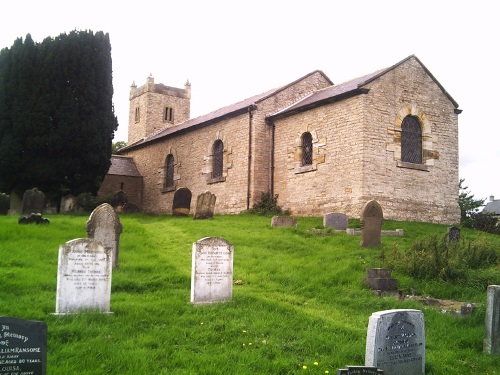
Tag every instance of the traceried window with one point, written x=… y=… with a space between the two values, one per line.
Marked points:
x=307 y=154
x=411 y=140
x=169 y=171
x=169 y=114
x=218 y=153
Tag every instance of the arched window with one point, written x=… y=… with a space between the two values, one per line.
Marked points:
x=307 y=149
x=411 y=140
x=169 y=171
x=218 y=152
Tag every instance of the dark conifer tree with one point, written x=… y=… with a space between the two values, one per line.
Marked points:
x=56 y=114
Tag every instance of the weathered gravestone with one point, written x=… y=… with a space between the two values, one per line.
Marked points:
x=371 y=224
x=453 y=234
x=380 y=279
x=104 y=225
x=130 y=208
x=84 y=276
x=335 y=220
x=182 y=202
x=68 y=204
x=491 y=343
x=205 y=206
x=212 y=270
x=16 y=204
x=360 y=370
x=395 y=342
x=283 y=221
x=33 y=201
x=23 y=346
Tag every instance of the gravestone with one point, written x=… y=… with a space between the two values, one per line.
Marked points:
x=182 y=202
x=33 y=201
x=119 y=199
x=380 y=279
x=205 y=206
x=335 y=220
x=16 y=204
x=130 y=208
x=360 y=370
x=371 y=224
x=68 y=204
x=23 y=346
x=491 y=343
x=453 y=234
x=212 y=270
x=83 y=276
x=283 y=221
x=104 y=225
x=395 y=342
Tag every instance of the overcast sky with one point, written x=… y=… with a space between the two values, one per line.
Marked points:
x=231 y=50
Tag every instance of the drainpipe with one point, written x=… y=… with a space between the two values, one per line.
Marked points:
x=271 y=179
x=249 y=172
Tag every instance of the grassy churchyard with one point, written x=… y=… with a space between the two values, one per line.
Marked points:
x=302 y=306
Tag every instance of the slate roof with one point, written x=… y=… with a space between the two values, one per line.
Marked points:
x=492 y=207
x=123 y=166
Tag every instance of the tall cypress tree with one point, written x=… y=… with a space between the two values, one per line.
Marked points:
x=56 y=113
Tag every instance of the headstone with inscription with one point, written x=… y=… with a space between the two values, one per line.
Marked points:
x=395 y=342
x=84 y=276
x=104 y=225
x=371 y=224
x=335 y=220
x=360 y=370
x=205 y=206
x=283 y=221
x=491 y=343
x=182 y=202
x=33 y=202
x=212 y=270
x=23 y=346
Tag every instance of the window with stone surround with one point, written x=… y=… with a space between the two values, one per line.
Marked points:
x=169 y=171
x=411 y=140
x=137 y=114
x=307 y=150
x=168 y=115
x=218 y=157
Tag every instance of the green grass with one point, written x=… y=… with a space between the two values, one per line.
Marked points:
x=303 y=300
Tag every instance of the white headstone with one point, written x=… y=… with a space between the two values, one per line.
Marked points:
x=212 y=270
x=395 y=342
x=83 y=276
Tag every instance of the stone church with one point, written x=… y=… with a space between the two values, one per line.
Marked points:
x=320 y=147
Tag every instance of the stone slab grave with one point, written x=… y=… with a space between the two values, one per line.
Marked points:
x=205 y=206
x=371 y=224
x=182 y=202
x=395 y=342
x=84 y=276
x=380 y=279
x=23 y=346
x=360 y=370
x=335 y=220
x=212 y=270
x=104 y=225
x=283 y=221
x=491 y=343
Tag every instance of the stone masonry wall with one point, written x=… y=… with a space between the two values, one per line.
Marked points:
x=132 y=186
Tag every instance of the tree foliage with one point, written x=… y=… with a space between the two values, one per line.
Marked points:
x=469 y=206
x=57 y=119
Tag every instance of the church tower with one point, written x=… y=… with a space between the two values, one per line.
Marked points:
x=155 y=106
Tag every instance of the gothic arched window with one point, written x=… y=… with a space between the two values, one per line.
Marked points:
x=307 y=149
x=169 y=171
x=411 y=140
x=218 y=153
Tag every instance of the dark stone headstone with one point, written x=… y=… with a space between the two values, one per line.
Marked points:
x=335 y=220
x=453 y=234
x=380 y=279
x=119 y=199
x=182 y=202
x=130 y=208
x=23 y=346
x=205 y=206
x=371 y=224
x=283 y=221
x=33 y=201
x=360 y=370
